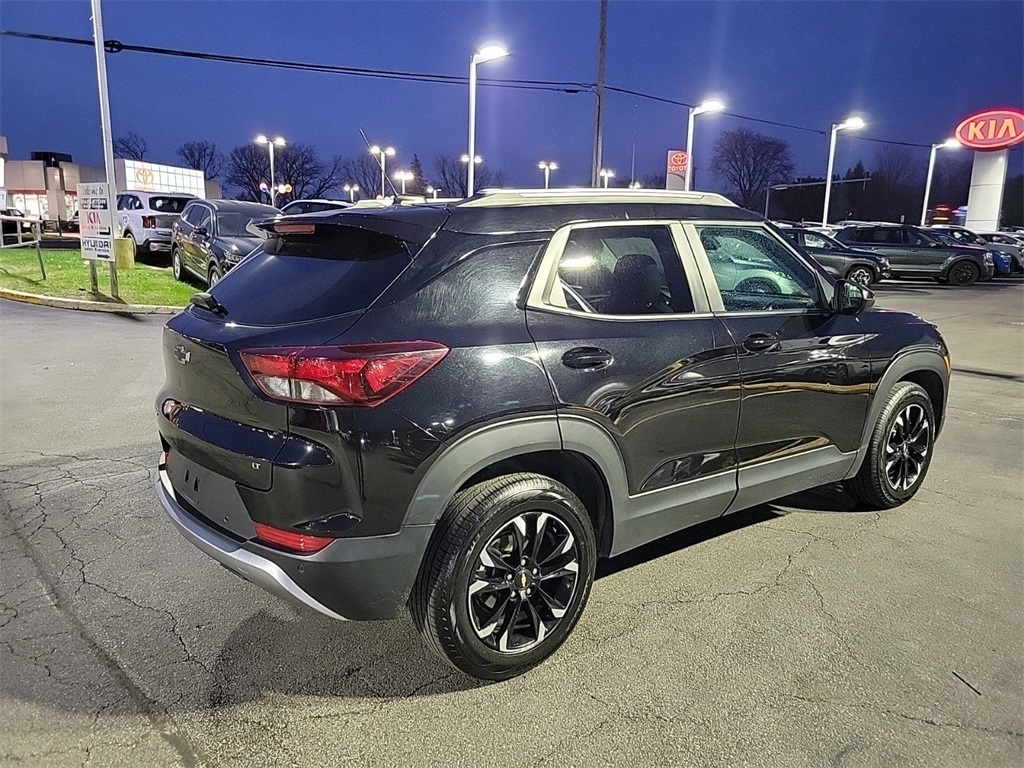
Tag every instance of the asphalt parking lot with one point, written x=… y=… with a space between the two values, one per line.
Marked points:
x=802 y=634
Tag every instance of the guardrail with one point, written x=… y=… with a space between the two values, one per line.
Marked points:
x=37 y=236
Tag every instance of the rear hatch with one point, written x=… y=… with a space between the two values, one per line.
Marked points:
x=167 y=209
x=301 y=288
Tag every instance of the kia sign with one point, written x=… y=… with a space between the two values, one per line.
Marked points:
x=94 y=222
x=991 y=130
x=675 y=169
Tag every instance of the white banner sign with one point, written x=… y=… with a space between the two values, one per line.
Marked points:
x=94 y=222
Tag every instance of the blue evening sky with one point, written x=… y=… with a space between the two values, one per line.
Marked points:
x=912 y=69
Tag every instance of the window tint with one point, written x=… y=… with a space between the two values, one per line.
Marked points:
x=120 y=203
x=812 y=240
x=305 y=277
x=754 y=271
x=168 y=204
x=202 y=216
x=886 y=235
x=917 y=237
x=621 y=271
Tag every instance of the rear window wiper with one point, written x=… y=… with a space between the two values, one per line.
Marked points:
x=209 y=303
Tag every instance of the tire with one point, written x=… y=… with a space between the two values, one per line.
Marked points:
x=862 y=275
x=481 y=529
x=964 y=273
x=758 y=285
x=213 y=276
x=176 y=267
x=880 y=483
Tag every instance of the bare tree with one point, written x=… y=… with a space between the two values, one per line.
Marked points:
x=896 y=166
x=364 y=171
x=654 y=180
x=299 y=165
x=751 y=161
x=203 y=156
x=248 y=167
x=451 y=176
x=130 y=146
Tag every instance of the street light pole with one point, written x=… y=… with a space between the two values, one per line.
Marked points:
x=487 y=53
x=851 y=123
x=351 y=189
x=947 y=144
x=547 y=168
x=277 y=141
x=710 y=105
x=606 y=174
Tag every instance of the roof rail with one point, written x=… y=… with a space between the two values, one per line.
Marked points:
x=510 y=197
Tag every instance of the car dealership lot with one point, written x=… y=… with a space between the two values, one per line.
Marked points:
x=800 y=635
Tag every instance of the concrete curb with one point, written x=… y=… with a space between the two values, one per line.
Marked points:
x=85 y=305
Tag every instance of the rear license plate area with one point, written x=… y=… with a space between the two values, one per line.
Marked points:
x=214 y=496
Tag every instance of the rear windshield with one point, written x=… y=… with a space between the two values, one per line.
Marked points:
x=168 y=204
x=307 y=277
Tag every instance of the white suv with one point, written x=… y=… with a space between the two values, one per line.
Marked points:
x=146 y=218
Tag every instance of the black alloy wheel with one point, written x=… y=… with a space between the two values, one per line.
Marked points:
x=900 y=450
x=964 y=273
x=506 y=576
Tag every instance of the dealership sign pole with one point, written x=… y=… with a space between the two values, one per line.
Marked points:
x=108 y=148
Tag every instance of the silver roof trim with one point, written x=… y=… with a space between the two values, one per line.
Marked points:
x=495 y=198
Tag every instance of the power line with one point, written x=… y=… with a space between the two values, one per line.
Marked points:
x=560 y=86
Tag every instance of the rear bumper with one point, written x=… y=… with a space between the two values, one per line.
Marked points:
x=357 y=578
x=250 y=566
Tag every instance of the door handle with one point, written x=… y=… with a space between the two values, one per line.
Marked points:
x=586 y=357
x=760 y=342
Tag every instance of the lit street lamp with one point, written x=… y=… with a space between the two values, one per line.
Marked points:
x=403 y=176
x=276 y=142
x=351 y=189
x=606 y=174
x=635 y=185
x=947 y=144
x=487 y=53
x=433 y=192
x=383 y=154
x=849 y=124
x=711 y=105
x=477 y=160
x=547 y=168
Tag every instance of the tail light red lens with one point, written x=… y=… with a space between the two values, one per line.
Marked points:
x=293 y=541
x=149 y=222
x=363 y=374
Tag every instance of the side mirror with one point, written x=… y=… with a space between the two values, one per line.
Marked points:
x=850 y=298
x=200 y=232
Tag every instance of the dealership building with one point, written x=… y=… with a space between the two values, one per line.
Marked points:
x=46 y=186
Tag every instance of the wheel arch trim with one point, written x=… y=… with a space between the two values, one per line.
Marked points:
x=907 y=362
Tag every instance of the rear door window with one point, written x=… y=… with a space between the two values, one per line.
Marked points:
x=307 y=277
x=168 y=204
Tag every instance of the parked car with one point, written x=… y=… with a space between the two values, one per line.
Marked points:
x=8 y=227
x=1002 y=256
x=1012 y=245
x=313 y=206
x=212 y=236
x=460 y=408
x=839 y=259
x=916 y=252
x=146 y=218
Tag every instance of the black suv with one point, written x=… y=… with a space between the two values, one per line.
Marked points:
x=915 y=252
x=460 y=408
x=212 y=236
x=839 y=259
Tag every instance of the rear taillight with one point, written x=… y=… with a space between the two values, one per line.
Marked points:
x=149 y=222
x=363 y=374
x=302 y=543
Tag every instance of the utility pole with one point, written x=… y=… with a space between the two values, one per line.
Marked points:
x=108 y=141
x=602 y=41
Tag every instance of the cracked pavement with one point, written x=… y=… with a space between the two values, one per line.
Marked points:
x=801 y=634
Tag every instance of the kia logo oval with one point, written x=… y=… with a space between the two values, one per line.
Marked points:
x=994 y=129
